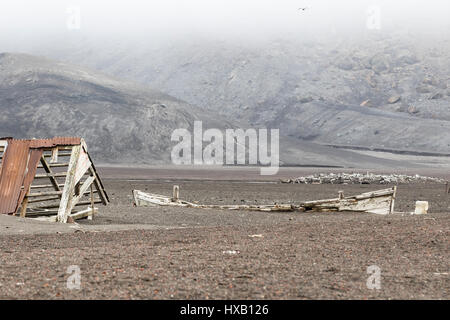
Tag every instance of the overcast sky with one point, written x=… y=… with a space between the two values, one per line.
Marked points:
x=214 y=17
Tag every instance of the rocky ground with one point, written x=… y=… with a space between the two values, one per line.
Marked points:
x=174 y=253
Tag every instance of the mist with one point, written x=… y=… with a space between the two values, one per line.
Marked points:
x=24 y=23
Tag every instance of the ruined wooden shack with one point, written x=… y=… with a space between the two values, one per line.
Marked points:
x=54 y=178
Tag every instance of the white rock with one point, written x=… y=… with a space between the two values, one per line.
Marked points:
x=421 y=207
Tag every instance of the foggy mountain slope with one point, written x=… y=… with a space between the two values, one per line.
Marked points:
x=122 y=122
x=385 y=91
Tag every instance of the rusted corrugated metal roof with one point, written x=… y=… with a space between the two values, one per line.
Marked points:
x=53 y=142
x=49 y=143
x=35 y=156
x=12 y=174
x=57 y=141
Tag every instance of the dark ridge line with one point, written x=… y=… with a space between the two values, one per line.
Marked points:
x=407 y=152
x=286 y=165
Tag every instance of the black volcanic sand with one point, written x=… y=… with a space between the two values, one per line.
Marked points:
x=220 y=254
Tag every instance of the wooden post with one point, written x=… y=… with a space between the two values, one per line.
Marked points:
x=23 y=210
x=391 y=208
x=47 y=169
x=54 y=158
x=66 y=206
x=176 y=193
x=92 y=202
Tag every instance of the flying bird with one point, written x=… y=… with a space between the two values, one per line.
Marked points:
x=303 y=9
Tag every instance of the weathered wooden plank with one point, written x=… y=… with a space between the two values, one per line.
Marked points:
x=75 y=216
x=43 y=200
x=81 y=203
x=82 y=166
x=54 y=157
x=50 y=175
x=55 y=165
x=60 y=154
x=43 y=194
x=92 y=202
x=89 y=212
x=44 y=186
x=23 y=209
x=69 y=187
x=83 y=189
x=98 y=185
x=54 y=198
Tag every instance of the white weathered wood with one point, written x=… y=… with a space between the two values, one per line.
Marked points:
x=75 y=216
x=47 y=219
x=65 y=206
x=54 y=158
x=98 y=185
x=176 y=193
x=82 y=166
x=379 y=202
x=43 y=194
x=83 y=189
x=84 y=213
x=92 y=202
x=394 y=195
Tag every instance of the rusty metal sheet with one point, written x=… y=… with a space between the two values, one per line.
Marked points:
x=12 y=174
x=48 y=143
x=57 y=141
x=35 y=156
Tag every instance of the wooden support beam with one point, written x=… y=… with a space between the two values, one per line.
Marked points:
x=55 y=165
x=65 y=206
x=23 y=210
x=54 y=157
x=391 y=209
x=81 y=203
x=42 y=213
x=43 y=194
x=50 y=175
x=75 y=216
x=54 y=198
x=83 y=189
x=89 y=212
x=43 y=200
x=92 y=202
x=43 y=186
x=60 y=154
x=176 y=193
x=53 y=180
x=98 y=185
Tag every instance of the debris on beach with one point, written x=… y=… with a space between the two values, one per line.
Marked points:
x=359 y=178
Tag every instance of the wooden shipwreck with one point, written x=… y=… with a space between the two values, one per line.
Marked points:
x=54 y=178
x=379 y=202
